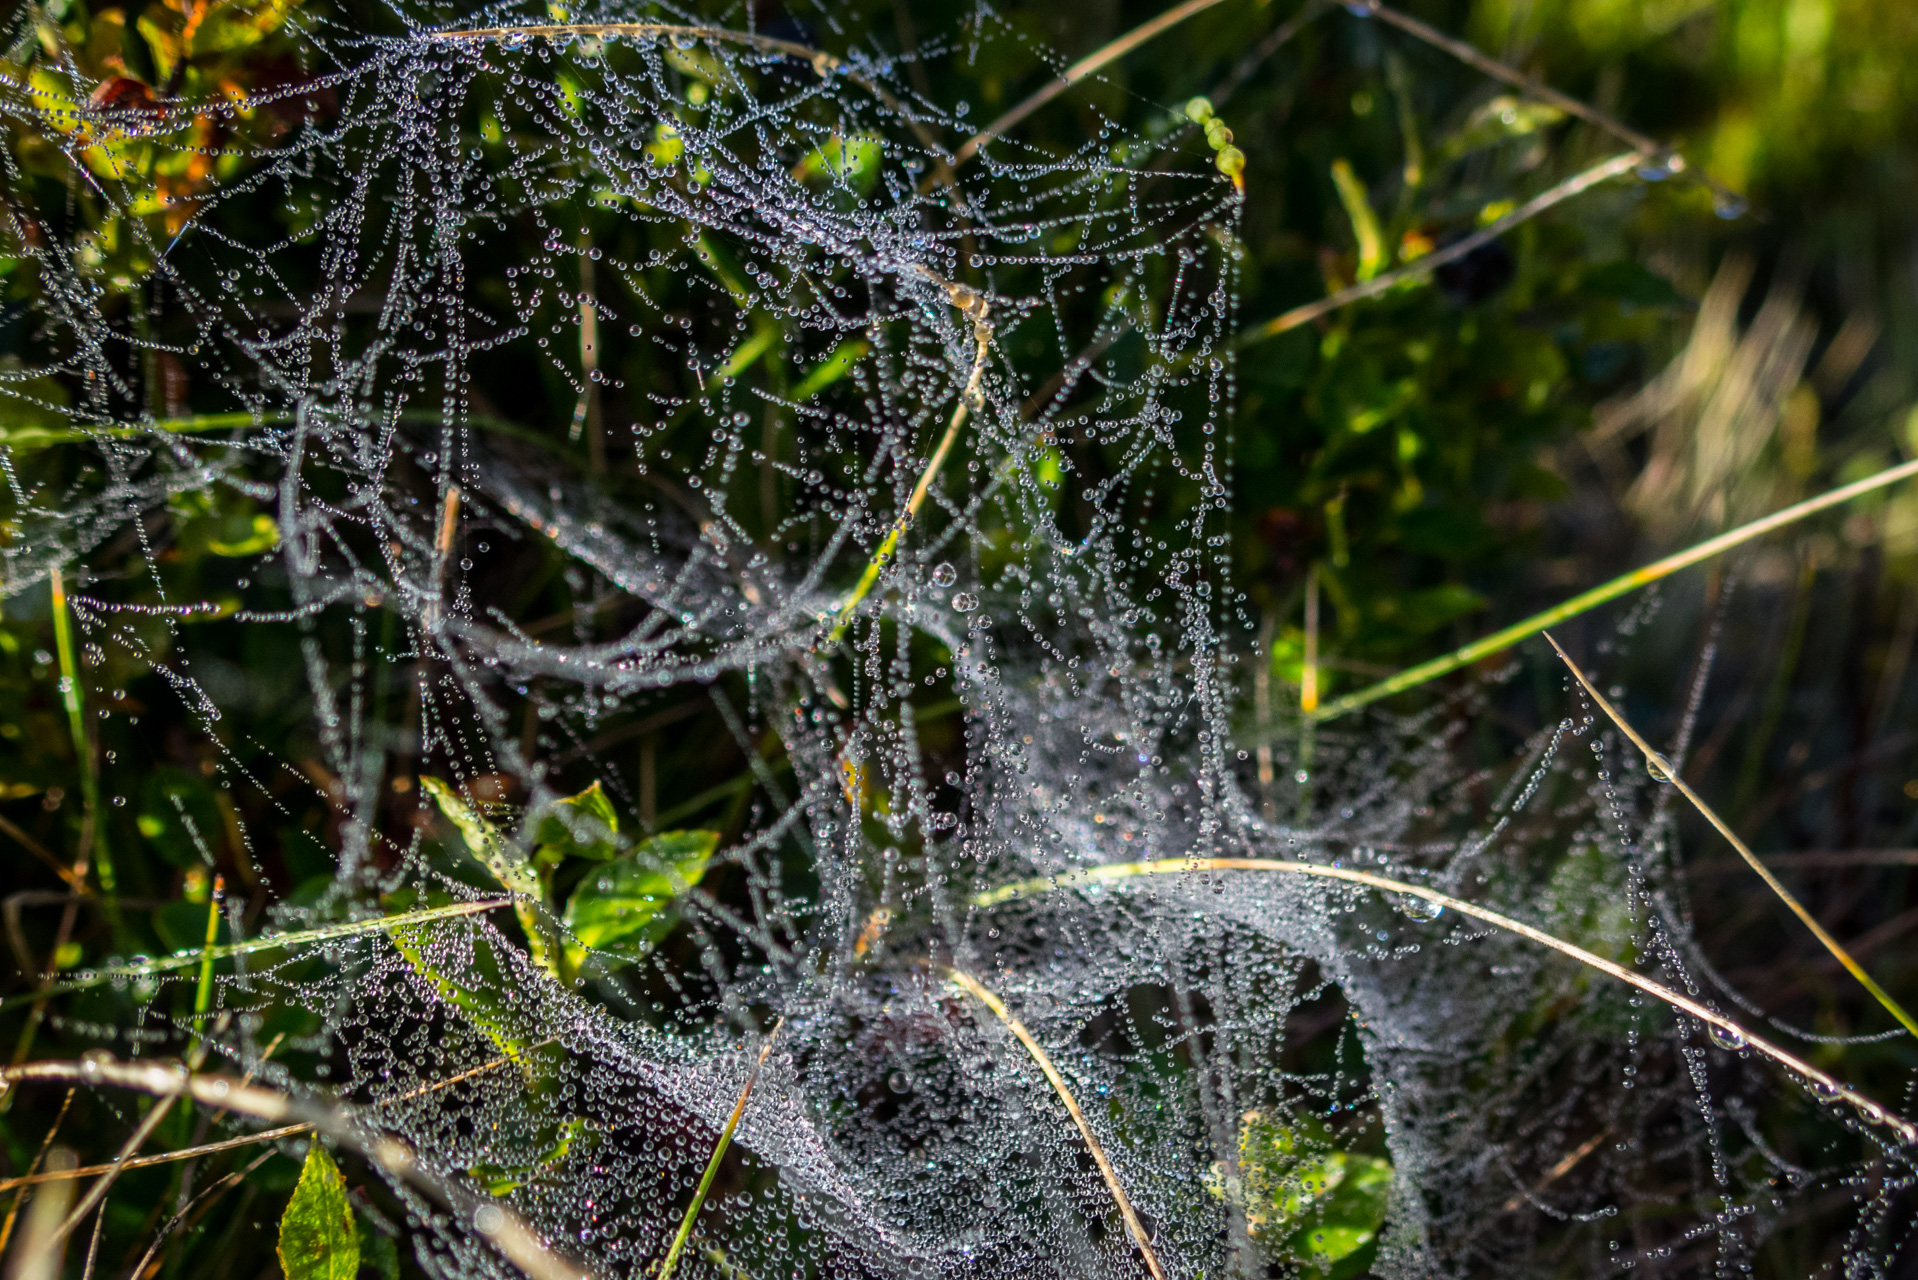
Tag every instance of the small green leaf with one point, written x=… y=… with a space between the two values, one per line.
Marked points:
x=379 y=1253
x=581 y=826
x=318 y=1238
x=501 y=1179
x=509 y=866
x=1305 y=1203
x=1365 y=223
x=629 y=905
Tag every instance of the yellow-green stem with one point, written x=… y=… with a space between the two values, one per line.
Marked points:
x=671 y=1262
x=1112 y=873
x=276 y=942
x=1666 y=773
x=1499 y=640
x=203 y=993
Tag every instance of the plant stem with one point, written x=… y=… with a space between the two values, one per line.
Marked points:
x=1820 y=1083
x=275 y=942
x=671 y=1263
x=1414 y=676
x=203 y=994
x=1109 y=52
x=974 y=305
x=985 y=996
x=1666 y=773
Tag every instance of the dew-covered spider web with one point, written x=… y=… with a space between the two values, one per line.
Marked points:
x=706 y=333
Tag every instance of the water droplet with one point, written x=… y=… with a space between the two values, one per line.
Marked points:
x=965 y=601
x=943 y=574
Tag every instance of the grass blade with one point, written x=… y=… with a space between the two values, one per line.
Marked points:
x=1412 y=677
x=1820 y=1083
x=985 y=997
x=275 y=942
x=1577 y=184
x=1666 y=773
x=671 y=1262
x=73 y=696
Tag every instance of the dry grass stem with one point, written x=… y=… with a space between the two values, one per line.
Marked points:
x=1664 y=771
x=1821 y=1084
x=1107 y=53
x=1133 y=1227
x=503 y=1228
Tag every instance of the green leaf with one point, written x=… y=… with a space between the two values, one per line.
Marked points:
x=318 y=1238
x=379 y=1253
x=629 y=905
x=1305 y=1203
x=581 y=826
x=509 y=866
x=501 y=1179
x=1365 y=223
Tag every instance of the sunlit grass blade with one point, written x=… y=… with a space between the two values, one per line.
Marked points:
x=274 y=942
x=1666 y=773
x=1577 y=184
x=1820 y=1083
x=671 y=1261
x=1133 y=1227
x=1465 y=656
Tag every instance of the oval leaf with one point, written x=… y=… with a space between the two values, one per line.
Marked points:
x=318 y=1239
x=627 y=906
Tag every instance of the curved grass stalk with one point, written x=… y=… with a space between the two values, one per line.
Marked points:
x=1412 y=677
x=276 y=942
x=1577 y=184
x=1664 y=772
x=974 y=306
x=1821 y=1084
x=499 y=1224
x=985 y=997
x=671 y=1262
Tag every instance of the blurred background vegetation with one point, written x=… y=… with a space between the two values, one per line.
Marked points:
x=1643 y=366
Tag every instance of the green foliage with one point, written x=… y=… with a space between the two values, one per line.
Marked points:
x=1305 y=1202
x=628 y=905
x=318 y=1237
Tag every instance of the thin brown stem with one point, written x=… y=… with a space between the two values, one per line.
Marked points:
x=1663 y=770
x=984 y=996
x=1107 y=53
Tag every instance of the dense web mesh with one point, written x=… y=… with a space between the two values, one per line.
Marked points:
x=952 y=663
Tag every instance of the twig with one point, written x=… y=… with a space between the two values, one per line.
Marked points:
x=671 y=1262
x=1505 y=639
x=1559 y=1170
x=1104 y=54
x=498 y=1223
x=1662 y=769
x=1820 y=1083
x=984 y=996
x=274 y=942
x=144 y=1130
x=1577 y=184
x=77 y=883
x=165 y=1157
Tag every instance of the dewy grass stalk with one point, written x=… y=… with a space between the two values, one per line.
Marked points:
x=984 y=995
x=1663 y=770
x=1820 y=1083
x=1412 y=677
x=671 y=1262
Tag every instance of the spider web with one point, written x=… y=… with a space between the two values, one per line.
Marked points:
x=557 y=198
